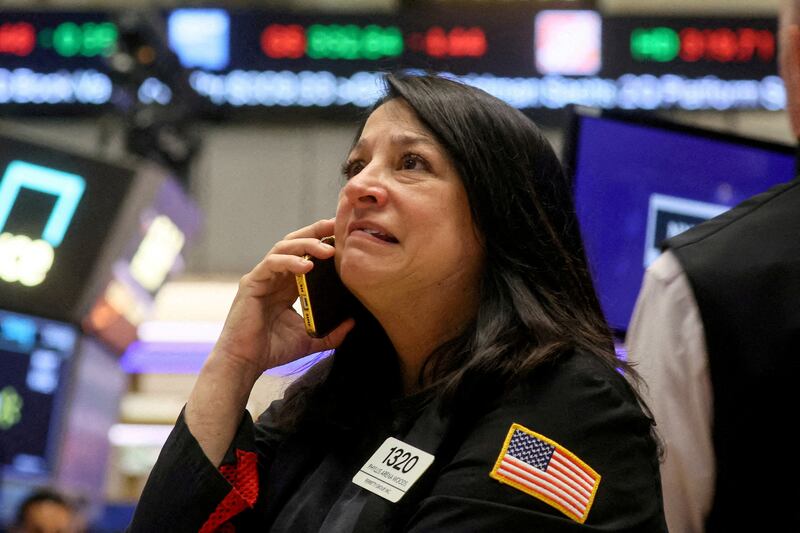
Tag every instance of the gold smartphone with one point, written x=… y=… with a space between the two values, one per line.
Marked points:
x=325 y=301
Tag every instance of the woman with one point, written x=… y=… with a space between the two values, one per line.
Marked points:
x=479 y=346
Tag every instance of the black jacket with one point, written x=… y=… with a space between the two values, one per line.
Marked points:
x=304 y=481
x=744 y=270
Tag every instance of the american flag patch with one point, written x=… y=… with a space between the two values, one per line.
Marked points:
x=542 y=468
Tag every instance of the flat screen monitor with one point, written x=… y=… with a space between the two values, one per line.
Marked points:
x=35 y=360
x=638 y=181
x=56 y=214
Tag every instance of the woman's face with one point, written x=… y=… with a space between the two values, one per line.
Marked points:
x=403 y=222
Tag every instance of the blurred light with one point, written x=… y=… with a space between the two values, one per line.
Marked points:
x=153 y=90
x=57 y=336
x=139 y=434
x=655 y=44
x=322 y=88
x=621 y=351
x=42 y=374
x=186 y=331
x=458 y=42
x=335 y=41
x=124 y=301
x=89 y=39
x=772 y=93
x=67 y=39
x=30 y=464
x=180 y=331
x=567 y=42
x=24 y=260
x=99 y=38
x=726 y=45
x=66 y=187
x=17 y=38
x=200 y=37
x=630 y=91
x=467 y=42
x=157 y=252
x=280 y=41
x=25 y=86
x=18 y=329
x=11 y=404
x=145 y=55
x=188 y=358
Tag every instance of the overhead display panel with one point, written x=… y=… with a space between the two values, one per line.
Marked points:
x=84 y=241
x=55 y=210
x=54 y=59
x=726 y=48
x=529 y=56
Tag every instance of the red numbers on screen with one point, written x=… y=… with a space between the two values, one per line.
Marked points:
x=283 y=41
x=725 y=45
x=17 y=38
x=457 y=42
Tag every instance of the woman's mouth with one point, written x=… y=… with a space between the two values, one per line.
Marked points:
x=379 y=235
x=373 y=230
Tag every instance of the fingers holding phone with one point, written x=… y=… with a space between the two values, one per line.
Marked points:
x=262 y=328
x=290 y=255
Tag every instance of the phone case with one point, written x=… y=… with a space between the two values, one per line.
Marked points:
x=325 y=301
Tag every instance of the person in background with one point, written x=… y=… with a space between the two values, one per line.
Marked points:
x=46 y=511
x=716 y=336
x=478 y=346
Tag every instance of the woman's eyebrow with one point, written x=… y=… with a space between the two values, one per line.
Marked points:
x=402 y=139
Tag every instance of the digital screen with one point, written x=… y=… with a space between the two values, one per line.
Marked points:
x=35 y=356
x=529 y=57
x=56 y=211
x=638 y=183
x=147 y=253
x=724 y=47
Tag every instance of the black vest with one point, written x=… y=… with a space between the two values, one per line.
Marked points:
x=744 y=269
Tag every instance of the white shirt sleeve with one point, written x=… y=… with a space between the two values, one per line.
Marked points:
x=667 y=343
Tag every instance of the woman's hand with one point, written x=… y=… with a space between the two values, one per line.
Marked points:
x=262 y=330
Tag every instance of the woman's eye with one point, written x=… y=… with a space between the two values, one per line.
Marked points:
x=413 y=162
x=352 y=168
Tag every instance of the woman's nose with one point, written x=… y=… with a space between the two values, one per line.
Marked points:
x=367 y=188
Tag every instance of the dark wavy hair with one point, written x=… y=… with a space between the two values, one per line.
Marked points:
x=537 y=299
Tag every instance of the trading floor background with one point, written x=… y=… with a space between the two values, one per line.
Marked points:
x=219 y=154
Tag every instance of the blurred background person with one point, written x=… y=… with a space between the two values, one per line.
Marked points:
x=715 y=334
x=47 y=511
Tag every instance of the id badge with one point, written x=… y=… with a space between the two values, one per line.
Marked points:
x=393 y=469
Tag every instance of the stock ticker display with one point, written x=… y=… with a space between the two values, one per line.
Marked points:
x=35 y=356
x=530 y=57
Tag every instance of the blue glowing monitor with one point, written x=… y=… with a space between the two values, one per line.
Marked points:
x=638 y=181
x=35 y=358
